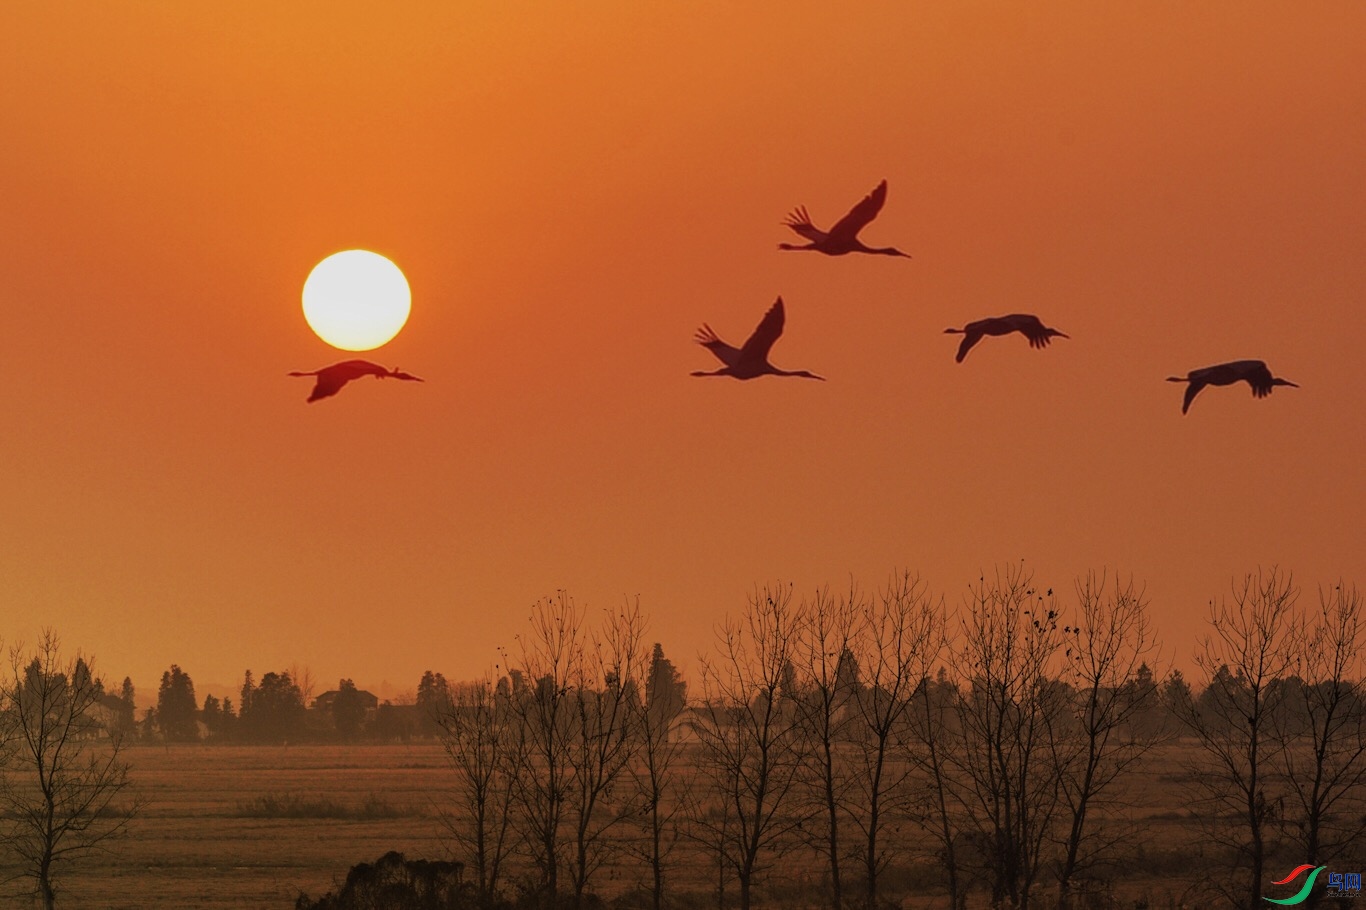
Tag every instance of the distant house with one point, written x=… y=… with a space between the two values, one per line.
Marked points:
x=325 y=702
x=692 y=725
x=105 y=713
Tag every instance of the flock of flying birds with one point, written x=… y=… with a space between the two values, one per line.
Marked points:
x=751 y=359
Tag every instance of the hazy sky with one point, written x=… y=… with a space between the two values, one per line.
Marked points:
x=571 y=190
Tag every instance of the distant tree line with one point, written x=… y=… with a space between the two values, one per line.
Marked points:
x=832 y=733
x=858 y=729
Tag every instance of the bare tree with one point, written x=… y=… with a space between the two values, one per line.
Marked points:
x=303 y=679
x=58 y=802
x=899 y=633
x=1245 y=662
x=480 y=742
x=1322 y=733
x=1101 y=740
x=544 y=714
x=1007 y=714
x=751 y=739
x=825 y=664
x=656 y=757
x=606 y=693
x=935 y=743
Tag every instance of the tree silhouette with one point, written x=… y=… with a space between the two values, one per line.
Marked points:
x=665 y=691
x=58 y=802
x=1100 y=741
x=1007 y=711
x=177 y=710
x=1321 y=733
x=348 y=710
x=752 y=747
x=277 y=709
x=1249 y=650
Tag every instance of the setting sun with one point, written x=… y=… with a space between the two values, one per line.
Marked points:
x=356 y=300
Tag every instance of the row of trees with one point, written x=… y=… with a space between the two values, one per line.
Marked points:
x=281 y=708
x=271 y=711
x=865 y=726
x=854 y=727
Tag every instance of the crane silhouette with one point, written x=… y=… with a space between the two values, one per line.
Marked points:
x=1029 y=326
x=332 y=378
x=1254 y=372
x=843 y=237
x=752 y=359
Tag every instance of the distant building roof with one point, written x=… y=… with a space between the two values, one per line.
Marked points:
x=325 y=701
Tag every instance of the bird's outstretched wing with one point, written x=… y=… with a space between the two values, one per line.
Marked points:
x=1191 y=391
x=847 y=228
x=800 y=222
x=329 y=383
x=969 y=339
x=757 y=346
x=725 y=353
x=1034 y=330
x=1258 y=375
x=399 y=374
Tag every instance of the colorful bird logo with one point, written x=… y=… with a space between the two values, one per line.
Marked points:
x=1303 y=893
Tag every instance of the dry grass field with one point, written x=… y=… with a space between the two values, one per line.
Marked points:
x=239 y=827
x=195 y=844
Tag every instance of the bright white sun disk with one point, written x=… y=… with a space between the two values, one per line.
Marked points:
x=356 y=300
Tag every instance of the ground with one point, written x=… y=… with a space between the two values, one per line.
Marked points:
x=238 y=826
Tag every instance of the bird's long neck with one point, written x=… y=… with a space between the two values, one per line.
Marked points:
x=1178 y=379
x=955 y=331
x=879 y=251
x=793 y=246
x=724 y=371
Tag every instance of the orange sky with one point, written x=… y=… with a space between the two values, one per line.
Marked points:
x=571 y=193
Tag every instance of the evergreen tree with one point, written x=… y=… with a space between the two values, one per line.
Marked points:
x=177 y=710
x=848 y=677
x=212 y=715
x=228 y=721
x=248 y=689
x=277 y=710
x=127 y=722
x=665 y=691
x=433 y=702
x=348 y=711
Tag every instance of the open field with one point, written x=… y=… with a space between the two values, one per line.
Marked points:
x=192 y=847
x=230 y=826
